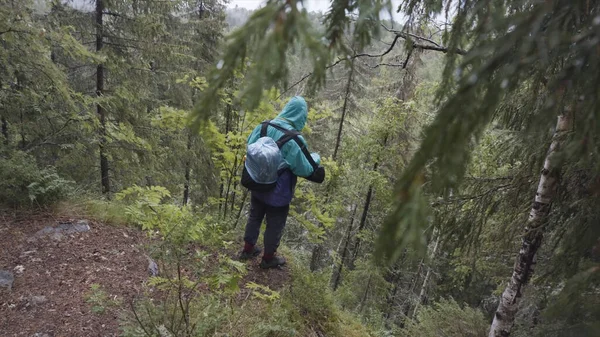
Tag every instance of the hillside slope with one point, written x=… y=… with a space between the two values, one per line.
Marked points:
x=74 y=276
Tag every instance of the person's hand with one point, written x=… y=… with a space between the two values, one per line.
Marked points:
x=315 y=156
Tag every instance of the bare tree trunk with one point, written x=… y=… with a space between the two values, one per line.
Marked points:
x=5 y=129
x=221 y=190
x=99 y=92
x=229 y=182
x=242 y=204
x=344 y=110
x=421 y=297
x=365 y=295
x=391 y=297
x=362 y=224
x=316 y=257
x=365 y=213
x=317 y=252
x=337 y=274
x=225 y=185
x=534 y=232
x=22 y=120
x=186 y=186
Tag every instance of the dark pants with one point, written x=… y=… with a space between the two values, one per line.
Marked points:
x=276 y=218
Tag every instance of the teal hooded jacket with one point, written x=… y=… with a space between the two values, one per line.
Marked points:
x=292 y=117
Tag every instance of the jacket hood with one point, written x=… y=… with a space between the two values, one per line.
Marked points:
x=295 y=113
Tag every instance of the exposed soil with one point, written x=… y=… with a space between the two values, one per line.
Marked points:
x=50 y=296
x=273 y=278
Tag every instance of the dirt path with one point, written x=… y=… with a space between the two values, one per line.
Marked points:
x=54 y=276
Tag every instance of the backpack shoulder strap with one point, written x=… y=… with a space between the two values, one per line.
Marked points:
x=304 y=150
x=263 y=128
x=289 y=135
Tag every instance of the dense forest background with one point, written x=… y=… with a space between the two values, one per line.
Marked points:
x=439 y=136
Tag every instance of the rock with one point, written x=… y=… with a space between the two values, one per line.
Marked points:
x=27 y=253
x=152 y=267
x=64 y=228
x=37 y=300
x=6 y=279
x=40 y=334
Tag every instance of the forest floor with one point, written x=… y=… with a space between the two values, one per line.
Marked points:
x=78 y=283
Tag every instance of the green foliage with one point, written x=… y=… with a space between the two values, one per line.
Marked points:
x=160 y=318
x=274 y=29
x=99 y=299
x=573 y=309
x=363 y=289
x=107 y=212
x=311 y=301
x=470 y=181
x=178 y=225
x=492 y=72
x=265 y=38
x=23 y=183
x=263 y=292
x=227 y=277
x=447 y=318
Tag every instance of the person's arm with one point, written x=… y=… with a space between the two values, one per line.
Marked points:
x=302 y=163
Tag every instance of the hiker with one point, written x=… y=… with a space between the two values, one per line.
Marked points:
x=273 y=201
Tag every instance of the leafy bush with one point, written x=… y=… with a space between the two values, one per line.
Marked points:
x=447 y=318
x=22 y=182
x=199 y=290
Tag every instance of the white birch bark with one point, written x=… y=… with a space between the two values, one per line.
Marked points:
x=534 y=231
x=427 y=276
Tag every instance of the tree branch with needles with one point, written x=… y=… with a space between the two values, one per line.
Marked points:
x=425 y=44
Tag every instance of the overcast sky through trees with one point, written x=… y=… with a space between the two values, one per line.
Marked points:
x=311 y=5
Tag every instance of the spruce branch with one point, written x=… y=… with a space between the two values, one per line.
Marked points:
x=340 y=60
x=430 y=45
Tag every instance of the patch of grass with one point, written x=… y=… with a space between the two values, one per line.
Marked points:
x=107 y=212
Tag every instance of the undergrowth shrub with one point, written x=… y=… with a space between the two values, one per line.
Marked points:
x=362 y=290
x=447 y=318
x=196 y=288
x=311 y=306
x=197 y=292
x=23 y=183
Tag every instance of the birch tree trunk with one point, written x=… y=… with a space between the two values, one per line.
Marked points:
x=534 y=232
x=427 y=276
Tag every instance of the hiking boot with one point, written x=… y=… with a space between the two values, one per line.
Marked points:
x=244 y=255
x=275 y=262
